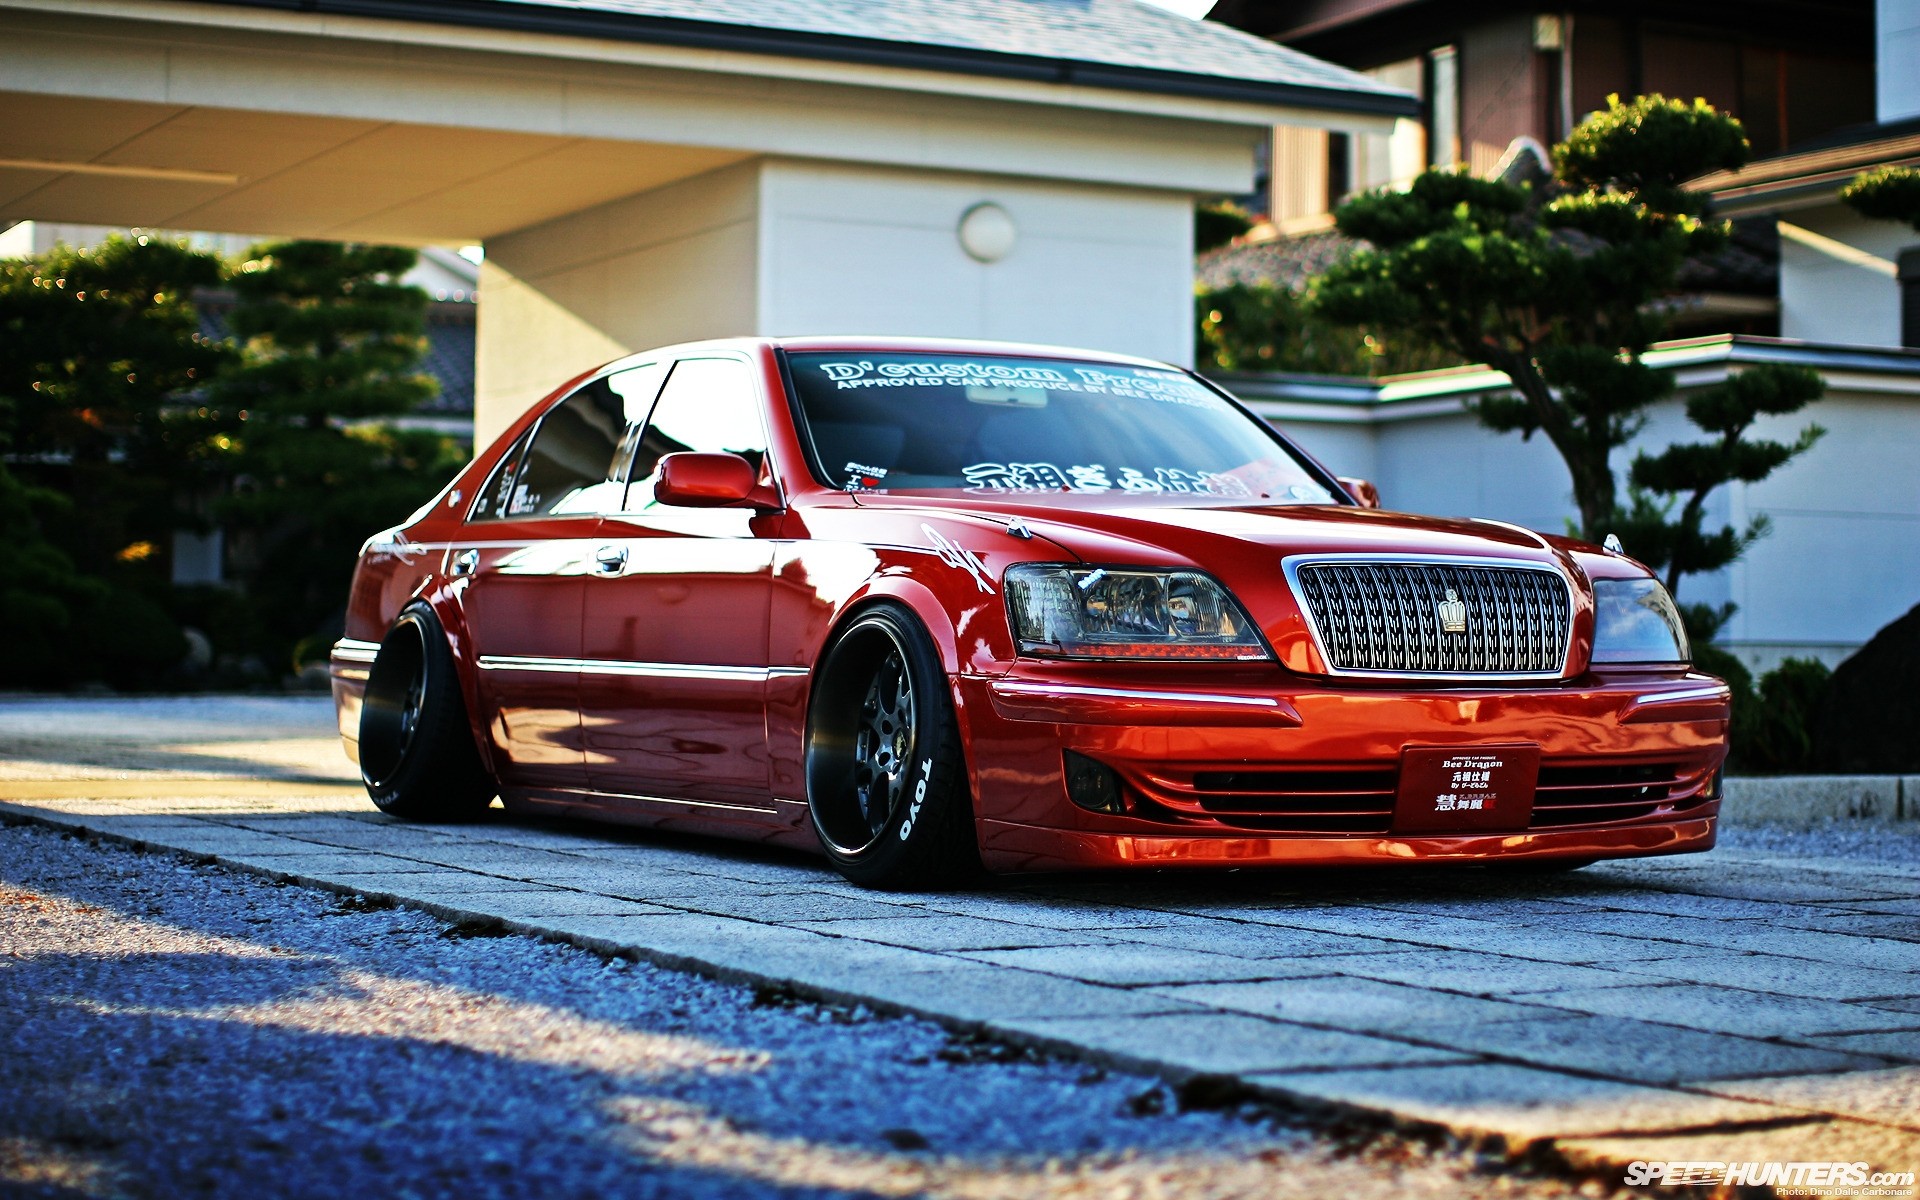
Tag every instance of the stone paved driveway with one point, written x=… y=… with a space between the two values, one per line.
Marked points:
x=1739 y=1005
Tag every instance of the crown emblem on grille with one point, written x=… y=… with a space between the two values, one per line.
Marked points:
x=1453 y=613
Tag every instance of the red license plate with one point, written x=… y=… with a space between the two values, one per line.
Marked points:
x=1466 y=789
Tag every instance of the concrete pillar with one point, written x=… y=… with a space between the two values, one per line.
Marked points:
x=1897 y=50
x=787 y=247
x=668 y=265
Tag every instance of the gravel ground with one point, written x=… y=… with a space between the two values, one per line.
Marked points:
x=169 y=1029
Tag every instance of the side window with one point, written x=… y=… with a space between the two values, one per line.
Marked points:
x=709 y=405
x=572 y=465
x=491 y=503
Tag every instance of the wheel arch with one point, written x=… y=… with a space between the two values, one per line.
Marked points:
x=441 y=597
x=933 y=616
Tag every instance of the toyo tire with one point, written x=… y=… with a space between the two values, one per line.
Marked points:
x=417 y=755
x=886 y=781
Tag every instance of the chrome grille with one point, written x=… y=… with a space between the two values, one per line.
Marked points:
x=1387 y=617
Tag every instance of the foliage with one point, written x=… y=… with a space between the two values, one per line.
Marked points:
x=103 y=344
x=1774 y=721
x=333 y=345
x=71 y=626
x=1268 y=327
x=39 y=587
x=103 y=437
x=1790 y=697
x=1556 y=287
x=1886 y=194
x=1216 y=224
x=1646 y=151
x=122 y=424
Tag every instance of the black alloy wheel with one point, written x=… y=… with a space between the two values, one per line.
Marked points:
x=417 y=754
x=885 y=780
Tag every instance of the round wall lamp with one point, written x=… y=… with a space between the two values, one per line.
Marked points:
x=987 y=232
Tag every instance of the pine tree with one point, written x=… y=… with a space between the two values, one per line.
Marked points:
x=1557 y=286
x=104 y=432
x=332 y=351
x=1886 y=194
x=104 y=354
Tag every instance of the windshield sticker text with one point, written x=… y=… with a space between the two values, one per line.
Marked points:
x=1094 y=477
x=1170 y=387
x=863 y=478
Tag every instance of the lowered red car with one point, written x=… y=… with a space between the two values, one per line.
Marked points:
x=929 y=606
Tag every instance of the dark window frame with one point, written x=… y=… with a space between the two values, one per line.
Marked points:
x=516 y=455
x=757 y=399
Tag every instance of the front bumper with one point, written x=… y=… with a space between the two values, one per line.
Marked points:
x=1251 y=767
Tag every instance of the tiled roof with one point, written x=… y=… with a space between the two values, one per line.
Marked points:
x=1289 y=261
x=450 y=351
x=1110 y=43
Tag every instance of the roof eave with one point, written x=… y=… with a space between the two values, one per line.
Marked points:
x=717 y=36
x=1801 y=180
x=1695 y=362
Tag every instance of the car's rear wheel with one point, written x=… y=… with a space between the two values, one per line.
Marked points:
x=417 y=755
x=886 y=782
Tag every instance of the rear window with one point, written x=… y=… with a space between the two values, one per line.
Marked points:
x=995 y=425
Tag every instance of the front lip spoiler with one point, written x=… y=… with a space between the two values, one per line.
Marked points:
x=1017 y=846
x=1088 y=704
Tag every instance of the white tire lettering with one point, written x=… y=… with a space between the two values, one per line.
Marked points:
x=919 y=798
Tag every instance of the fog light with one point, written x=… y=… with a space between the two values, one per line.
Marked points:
x=1093 y=785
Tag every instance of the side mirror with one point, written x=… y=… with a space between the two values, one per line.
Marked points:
x=691 y=480
x=1362 y=490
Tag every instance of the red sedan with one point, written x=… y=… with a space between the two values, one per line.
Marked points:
x=931 y=606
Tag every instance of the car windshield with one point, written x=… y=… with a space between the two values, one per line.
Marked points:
x=983 y=424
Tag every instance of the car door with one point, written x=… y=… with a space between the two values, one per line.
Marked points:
x=675 y=631
x=522 y=566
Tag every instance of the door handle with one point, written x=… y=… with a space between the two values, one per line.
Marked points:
x=464 y=563
x=610 y=560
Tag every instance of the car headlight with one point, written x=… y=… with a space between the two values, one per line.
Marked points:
x=1112 y=612
x=1635 y=621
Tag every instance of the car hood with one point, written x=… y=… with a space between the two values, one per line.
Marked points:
x=1164 y=530
x=1245 y=545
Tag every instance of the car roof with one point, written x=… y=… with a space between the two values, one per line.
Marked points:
x=878 y=344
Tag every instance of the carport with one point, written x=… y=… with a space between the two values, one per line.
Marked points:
x=644 y=171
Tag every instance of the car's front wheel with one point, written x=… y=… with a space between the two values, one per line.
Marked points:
x=417 y=754
x=886 y=782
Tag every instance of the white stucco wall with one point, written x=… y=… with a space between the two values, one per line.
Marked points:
x=1897 y=40
x=671 y=265
x=1842 y=561
x=1838 y=286
x=875 y=250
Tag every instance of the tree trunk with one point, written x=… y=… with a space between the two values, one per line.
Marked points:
x=1593 y=489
